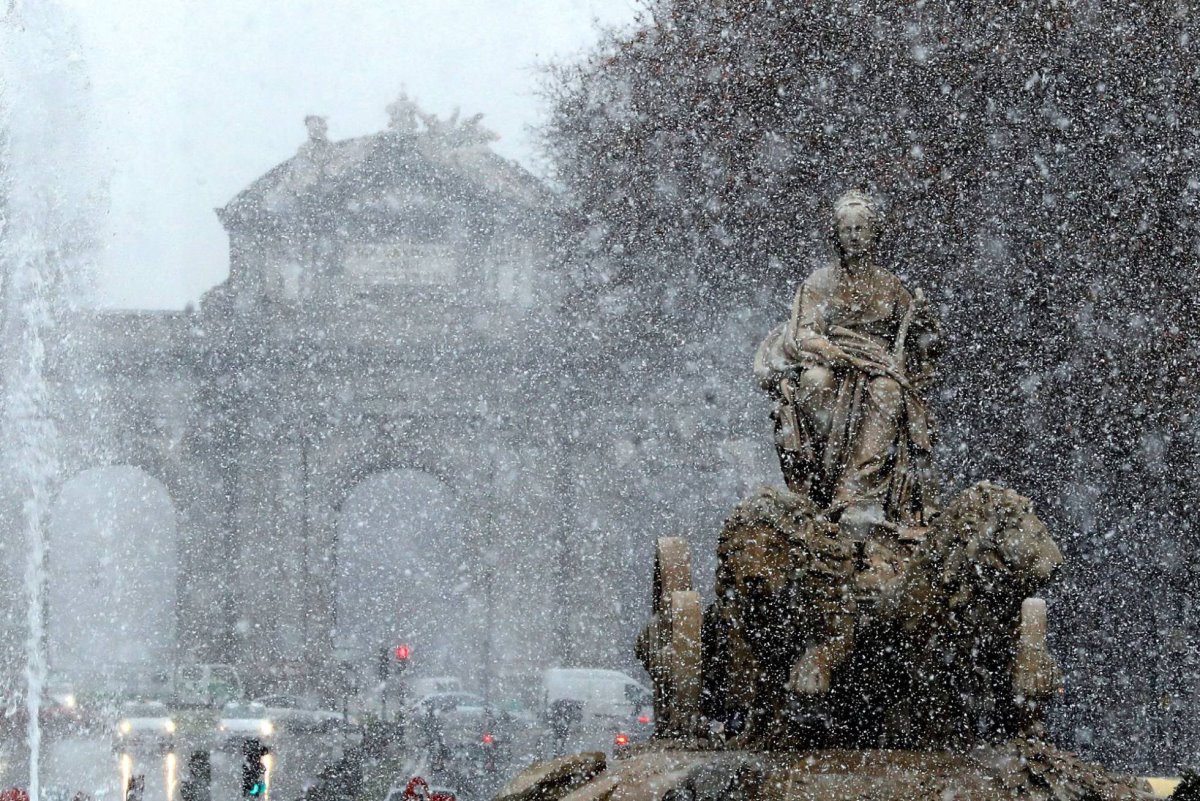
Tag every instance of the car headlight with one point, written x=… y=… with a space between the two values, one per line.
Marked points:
x=125 y=727
x=69 y=702
x=266 y=727
x=169 y=726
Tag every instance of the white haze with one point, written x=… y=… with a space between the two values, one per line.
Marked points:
x=194 y=100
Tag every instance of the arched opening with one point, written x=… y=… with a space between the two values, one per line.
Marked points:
x=400 y=570
x=111 y=580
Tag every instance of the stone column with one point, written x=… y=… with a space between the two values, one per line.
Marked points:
x=203 y=621
x=319 y=582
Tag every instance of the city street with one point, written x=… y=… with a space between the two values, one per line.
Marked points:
x=88 y=764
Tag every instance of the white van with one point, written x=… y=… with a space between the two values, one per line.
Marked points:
x=600 y=693
x=418 y=688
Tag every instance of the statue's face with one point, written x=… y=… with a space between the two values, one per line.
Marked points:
x=856 y=231
x=1027 y=548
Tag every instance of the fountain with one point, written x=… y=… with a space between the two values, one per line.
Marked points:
x=44 y=250
x=867 y=640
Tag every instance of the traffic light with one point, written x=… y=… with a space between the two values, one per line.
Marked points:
x=254 y=769
x=397 y=656
x=195 y=787
x=136 y=788
x=384 y=666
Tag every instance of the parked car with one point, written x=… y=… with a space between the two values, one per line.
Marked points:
x=435 y=703
x=301 y=714
x=427 y=716
x=419 y=688
x=60 y=712
x=144 y=725
x=60 y=707
x=241 y=721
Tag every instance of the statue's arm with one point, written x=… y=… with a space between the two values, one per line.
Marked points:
x=787 y=349
x=806 y=330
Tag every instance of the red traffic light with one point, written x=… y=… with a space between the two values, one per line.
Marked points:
x=402 y=652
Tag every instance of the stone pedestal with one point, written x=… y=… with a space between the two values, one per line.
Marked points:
x=663 y=770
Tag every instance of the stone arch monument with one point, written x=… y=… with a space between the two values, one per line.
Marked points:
x=384 y=308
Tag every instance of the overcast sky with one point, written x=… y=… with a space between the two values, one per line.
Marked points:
x=194 y=99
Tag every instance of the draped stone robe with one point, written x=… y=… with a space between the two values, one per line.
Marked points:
x=854 y=435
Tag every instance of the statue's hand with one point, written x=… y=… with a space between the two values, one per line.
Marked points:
x=895 y=371
x=826 y=351
x=888 y=370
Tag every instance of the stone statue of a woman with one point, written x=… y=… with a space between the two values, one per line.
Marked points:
x=847 y=370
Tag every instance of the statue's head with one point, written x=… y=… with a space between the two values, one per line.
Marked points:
x=856 y=223
x=990 y=536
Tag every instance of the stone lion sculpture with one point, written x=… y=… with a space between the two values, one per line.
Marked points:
x=897 y=641
x=896 y=666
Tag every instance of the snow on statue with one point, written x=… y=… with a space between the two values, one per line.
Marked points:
x=863 y=641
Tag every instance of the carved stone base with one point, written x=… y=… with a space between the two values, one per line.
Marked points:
x=657 y=770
